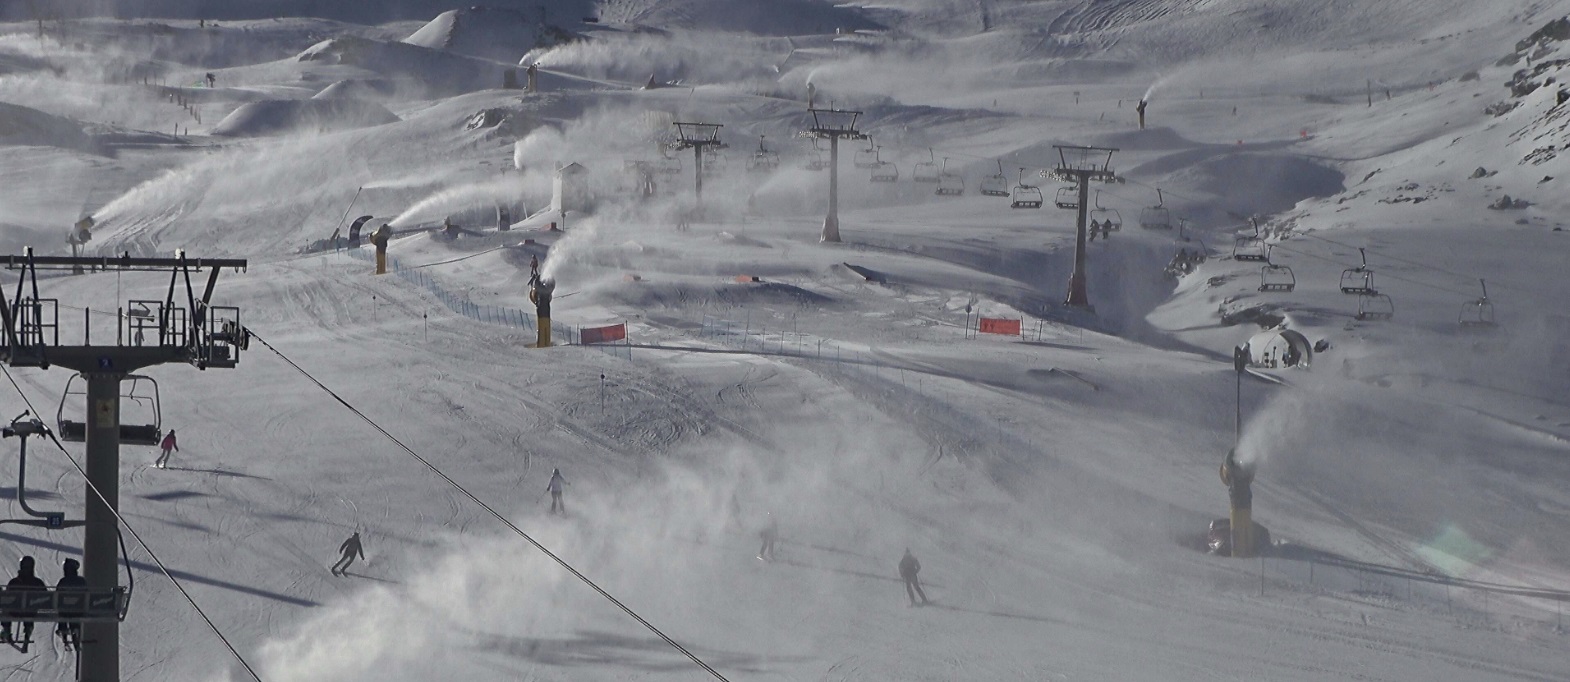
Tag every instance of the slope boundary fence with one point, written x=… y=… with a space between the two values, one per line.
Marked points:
x=489 y=314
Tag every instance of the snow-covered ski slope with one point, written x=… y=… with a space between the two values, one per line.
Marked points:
x=1054 y=487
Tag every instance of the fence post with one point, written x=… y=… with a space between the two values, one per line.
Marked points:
x=1261 y=575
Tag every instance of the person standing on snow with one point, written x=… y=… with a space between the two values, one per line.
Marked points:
x=24 y=580
x=908 y=568
x=769 y=534
x=169 y=445
x=557 y=506
x=70 y=632
x=349 y=548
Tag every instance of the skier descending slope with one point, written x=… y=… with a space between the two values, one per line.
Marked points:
x=349 y=548
x=168 y=445
x=908 y=568
x=557 y=506
x=769 y=534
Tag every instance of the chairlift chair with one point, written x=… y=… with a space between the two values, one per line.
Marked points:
x=1375 y=306
x=866 y=158
x=1479 y=313
x=141 y=391
x=1156 y=217
x=1068 y=198
x=764 y=160
x=93 y=604
x=1104 y=219
x=926 y=171
x=667 y=164
x=815 y=161
x=1274 y=277
x=949 y=184
x=1250 y=248
x=1025 y=196
x=1358 y=280
x=713 y=162
x=995 y=185
x=883 y=171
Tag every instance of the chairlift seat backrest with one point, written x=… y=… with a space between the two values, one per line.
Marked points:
x=1155 y=218
x=1277 y=278
x=62 y=605
x=71 y=432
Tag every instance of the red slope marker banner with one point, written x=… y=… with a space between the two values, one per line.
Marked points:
x=998 y=325
x=615 y=332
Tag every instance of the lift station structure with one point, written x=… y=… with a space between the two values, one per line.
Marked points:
x=184 y=328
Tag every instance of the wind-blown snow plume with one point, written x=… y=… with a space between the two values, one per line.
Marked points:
x=500 y=191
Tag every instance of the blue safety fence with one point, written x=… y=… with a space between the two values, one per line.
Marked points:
x=489 y=314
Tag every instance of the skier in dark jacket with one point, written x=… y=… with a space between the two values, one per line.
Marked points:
x=24 y=580
x=769 y=534
x=349 y=548
x=70 y=632
x=554 y=486
x=908 y=568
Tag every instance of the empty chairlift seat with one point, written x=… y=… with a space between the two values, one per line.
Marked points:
x=1478 y=314
x=139 y=399
x=1023 y=195
x=1358 y=280
x=1375 y=307
x=926 y=171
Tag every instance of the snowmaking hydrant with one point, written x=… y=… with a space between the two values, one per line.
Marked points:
x=1239 y=480
x=379 y=238
x=1141 y=109
x=540 y=290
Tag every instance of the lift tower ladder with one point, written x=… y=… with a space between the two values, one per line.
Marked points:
x=833 y=125
x=183 y=328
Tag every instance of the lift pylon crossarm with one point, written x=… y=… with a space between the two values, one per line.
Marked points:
x=840 y=123
x=25 y=262
x=55 y=605
x=193 y=331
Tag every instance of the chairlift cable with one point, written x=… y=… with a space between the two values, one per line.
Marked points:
x=122 y=520
x=450 y=481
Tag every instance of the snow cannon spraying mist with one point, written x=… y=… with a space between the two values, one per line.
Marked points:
x=379 y=239
x=540 y=291
x=1238 y=535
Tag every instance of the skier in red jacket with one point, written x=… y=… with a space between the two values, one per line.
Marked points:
x=168 y=446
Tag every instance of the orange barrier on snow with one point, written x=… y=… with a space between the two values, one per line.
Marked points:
x=615 y=332
x=998 y=325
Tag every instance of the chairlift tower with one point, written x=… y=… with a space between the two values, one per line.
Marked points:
x=185 y=329
x=1081 y=166
x=833 y=125
x=698 y=137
